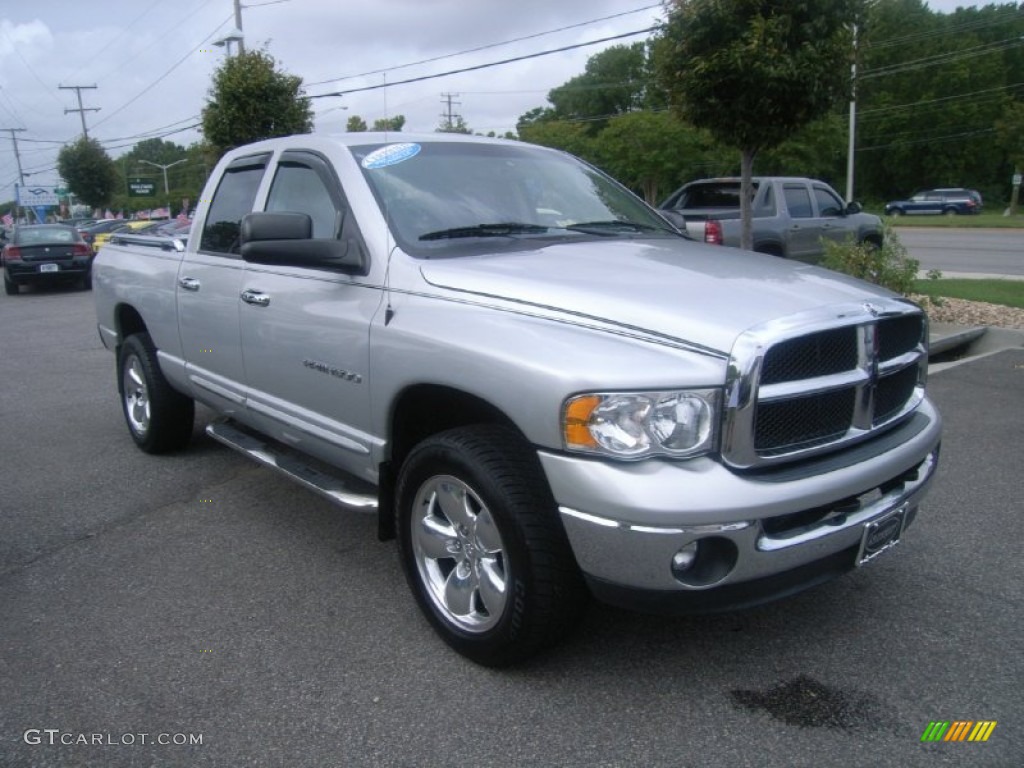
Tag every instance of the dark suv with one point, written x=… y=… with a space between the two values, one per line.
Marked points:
x=949 y=201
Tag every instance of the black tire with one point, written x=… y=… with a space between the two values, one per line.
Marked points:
x=87 y=282
x=896 y=212
x=950 y=212
x=11 y=288
x=510 y=537
x=159 y=418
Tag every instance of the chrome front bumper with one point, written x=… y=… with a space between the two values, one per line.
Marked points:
x=626 y=521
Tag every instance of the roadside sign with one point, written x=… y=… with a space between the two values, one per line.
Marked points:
x=141 y=188
x=1016 y=179
x=33 y=197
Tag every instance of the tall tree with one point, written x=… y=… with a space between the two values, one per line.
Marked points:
x=355 y=124
x=455 y=125
x=88 y=171
x=251 y=100
x=753 y=73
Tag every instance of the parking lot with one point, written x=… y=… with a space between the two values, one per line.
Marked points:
x=197 y=610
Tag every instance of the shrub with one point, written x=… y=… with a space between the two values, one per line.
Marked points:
x=888 y=265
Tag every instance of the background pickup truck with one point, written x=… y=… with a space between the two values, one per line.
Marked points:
x=791 y=216
x=537 y=386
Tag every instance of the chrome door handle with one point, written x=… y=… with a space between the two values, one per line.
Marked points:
x=188 y=283
x=256 y=298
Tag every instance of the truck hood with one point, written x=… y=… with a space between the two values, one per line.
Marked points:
x=682 y=292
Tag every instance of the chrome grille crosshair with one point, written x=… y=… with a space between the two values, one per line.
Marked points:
x=819 y=380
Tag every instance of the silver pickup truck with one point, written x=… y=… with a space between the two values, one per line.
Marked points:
x=541 y=390
x=792 y=216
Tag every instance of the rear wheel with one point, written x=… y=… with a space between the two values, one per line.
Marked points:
x=10 y=287
x=482 y=546
x=950 y=211
x=159 y=418
x=87 y=282
x=896 y=212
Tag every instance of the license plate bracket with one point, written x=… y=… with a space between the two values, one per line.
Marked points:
x=881 y=534
x=49 y=267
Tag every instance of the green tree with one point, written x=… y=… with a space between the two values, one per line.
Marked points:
x=753 y=73
x=457 y=125
x=355 y=124
x=395 y=123
x=1010 y=136
x=559 y=134
x=88 y=171
x=651 y=152
x=251 y=100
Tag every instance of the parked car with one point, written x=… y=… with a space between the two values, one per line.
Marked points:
x=90 y=232
x=950 y=201
x=130 y=227
x=792 y=216
x=45 y=253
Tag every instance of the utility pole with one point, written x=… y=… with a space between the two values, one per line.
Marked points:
x=81 y=110
x=449 y=117
x=851 y=146
x=17 y=157
x=238 y=24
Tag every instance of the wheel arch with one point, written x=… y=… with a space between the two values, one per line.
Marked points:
x=418 y=412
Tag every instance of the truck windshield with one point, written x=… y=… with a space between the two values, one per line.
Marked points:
x=442 y=198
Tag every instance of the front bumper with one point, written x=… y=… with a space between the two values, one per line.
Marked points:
x=772 y=532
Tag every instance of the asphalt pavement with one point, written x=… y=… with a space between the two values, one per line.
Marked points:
x=197 y=597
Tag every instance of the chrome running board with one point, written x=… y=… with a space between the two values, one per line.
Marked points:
x=344 y=490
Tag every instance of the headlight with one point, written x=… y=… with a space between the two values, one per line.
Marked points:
x=634 y=425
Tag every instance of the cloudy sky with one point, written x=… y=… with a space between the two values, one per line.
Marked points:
x=151 y=62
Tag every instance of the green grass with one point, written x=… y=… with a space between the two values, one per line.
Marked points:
x=990 y=220
x=1009 y=293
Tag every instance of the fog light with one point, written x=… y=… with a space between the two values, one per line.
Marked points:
x=684 y=559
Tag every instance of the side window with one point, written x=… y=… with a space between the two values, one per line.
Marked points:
x=298 y=187
x=828 y=204
x=767 y=207
x=233 y=199
x=798 y=201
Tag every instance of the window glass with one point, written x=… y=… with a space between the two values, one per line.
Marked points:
x=233 y=199
x=828 y=204
x=798 y=201
x=299 y=188
x=436 y=195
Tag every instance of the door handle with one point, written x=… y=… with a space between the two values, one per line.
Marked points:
x=256 y=298
x=188 y=283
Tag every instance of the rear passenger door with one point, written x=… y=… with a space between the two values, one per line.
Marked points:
x=804 y=227
x=209 y=281
x=305 y=331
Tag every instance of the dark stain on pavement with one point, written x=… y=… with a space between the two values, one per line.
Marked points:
x=806 y=702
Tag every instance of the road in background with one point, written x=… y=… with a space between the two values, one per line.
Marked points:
x=196 y=595
x=975 y=251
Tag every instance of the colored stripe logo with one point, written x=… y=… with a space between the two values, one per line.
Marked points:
x=958 y=730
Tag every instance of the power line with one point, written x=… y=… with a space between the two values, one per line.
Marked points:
x=81 y=110
x=483 y=66
x=483 y=47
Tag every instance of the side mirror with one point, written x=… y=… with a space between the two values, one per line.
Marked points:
x=286 y=239
x=853 y=208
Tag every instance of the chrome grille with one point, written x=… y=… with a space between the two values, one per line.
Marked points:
x=815 y=382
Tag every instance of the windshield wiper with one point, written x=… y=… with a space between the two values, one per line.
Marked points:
x=500 y=229
x=612 y=227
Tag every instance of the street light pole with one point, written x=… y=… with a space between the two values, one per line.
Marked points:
x=167 y=190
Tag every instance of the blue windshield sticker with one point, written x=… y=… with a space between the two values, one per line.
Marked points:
x=392 y=154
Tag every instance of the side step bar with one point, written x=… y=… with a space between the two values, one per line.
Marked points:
x=346 y=491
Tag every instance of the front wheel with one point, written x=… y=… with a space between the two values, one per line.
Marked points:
x=483 y=548
x=159 y=418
